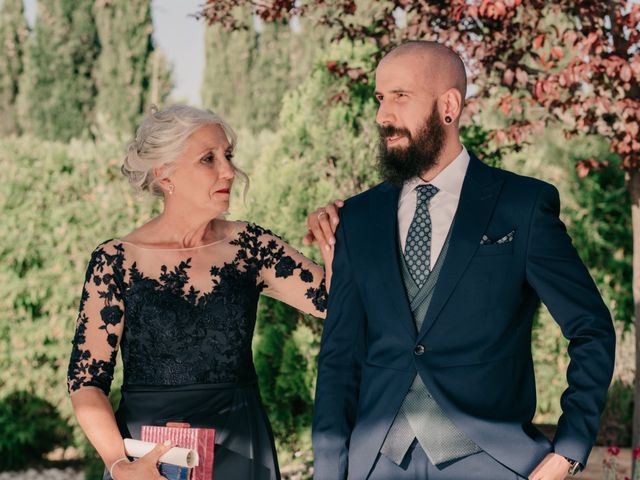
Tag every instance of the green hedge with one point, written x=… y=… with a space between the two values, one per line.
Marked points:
x=58 y=202
x=31 y=426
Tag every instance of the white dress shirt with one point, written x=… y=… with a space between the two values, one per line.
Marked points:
x=442 y=206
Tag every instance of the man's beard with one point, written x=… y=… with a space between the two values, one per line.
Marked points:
x=397 y=165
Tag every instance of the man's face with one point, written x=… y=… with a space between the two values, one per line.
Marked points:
x=411 y=131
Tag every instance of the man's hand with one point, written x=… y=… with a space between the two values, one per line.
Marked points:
x=552 y=467
x=322 y=224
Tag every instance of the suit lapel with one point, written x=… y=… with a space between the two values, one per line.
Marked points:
x=477 y=201
x=384 y=216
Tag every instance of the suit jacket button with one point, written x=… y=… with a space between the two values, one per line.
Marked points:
x=419 y=350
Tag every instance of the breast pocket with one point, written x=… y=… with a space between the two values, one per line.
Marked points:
x=495 y=249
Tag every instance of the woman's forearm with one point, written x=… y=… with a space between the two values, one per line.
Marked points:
x=95 y=416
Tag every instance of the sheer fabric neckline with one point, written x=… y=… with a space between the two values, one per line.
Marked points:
x=174 y=249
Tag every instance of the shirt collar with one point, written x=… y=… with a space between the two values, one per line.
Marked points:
x=448 y=180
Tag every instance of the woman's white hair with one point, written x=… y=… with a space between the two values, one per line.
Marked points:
x=161 y=138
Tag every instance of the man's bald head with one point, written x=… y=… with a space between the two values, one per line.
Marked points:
x=442 y=67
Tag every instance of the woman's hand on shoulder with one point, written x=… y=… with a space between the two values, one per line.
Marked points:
x=322 y=224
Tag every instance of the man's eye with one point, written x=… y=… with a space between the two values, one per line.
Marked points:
x=379 y=98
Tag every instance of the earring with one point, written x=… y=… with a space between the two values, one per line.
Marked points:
x=448 y=119
x=172 y=187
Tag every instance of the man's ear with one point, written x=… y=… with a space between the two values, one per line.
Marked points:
x=451 y=106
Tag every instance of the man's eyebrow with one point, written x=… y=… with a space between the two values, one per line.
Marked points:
x=395 y=90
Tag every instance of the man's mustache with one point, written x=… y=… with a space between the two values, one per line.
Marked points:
x=391 y=131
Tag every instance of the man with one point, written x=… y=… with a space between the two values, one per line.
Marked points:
x=425 y=368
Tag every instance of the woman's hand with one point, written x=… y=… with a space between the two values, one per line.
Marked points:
x=322 y=224
x=144 y=468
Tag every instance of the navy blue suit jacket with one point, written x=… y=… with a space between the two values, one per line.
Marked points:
x=476 y=334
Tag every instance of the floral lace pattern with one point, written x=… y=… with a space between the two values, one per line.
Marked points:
x=174 y=333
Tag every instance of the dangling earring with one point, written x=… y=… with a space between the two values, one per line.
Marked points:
x=448 y=120
x=172 y=187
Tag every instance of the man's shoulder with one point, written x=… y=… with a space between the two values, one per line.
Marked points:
x=363 y=200
x=521 y=185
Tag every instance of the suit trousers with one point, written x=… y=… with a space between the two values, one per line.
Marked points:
x=416 y=466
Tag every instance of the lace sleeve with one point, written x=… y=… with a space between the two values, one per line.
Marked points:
x=100 y=321
x=284 y=273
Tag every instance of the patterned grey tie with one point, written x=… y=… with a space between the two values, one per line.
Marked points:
x=417 y=250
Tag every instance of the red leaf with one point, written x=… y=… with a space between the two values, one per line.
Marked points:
x=522 y=76
x=625 y=73
x=557 y=52
x=505 y=104
x=538 y=41
x=582 y=169
x=507 y=77
x=538 y=90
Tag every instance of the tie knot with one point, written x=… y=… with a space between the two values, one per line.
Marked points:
x=426 y=192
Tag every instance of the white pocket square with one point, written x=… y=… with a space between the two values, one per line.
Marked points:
x=506 y=239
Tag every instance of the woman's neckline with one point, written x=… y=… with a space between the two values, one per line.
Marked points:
x=175 y=249
x=226 y=238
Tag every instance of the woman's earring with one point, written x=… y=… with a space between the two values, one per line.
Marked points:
x=448 y=120
x=172 y=187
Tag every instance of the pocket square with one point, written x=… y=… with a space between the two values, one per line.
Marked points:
x=506 y=239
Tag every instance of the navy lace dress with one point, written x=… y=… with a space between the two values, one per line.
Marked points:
x=184 y=321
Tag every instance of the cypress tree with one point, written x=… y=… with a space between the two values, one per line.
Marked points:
x=226 y=86
x=270 y=75
x=127 y=72
x=57 y=91
x=13 y=35
x=248 y=72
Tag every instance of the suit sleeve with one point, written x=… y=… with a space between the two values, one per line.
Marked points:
x=341 y=355
x=564 y=285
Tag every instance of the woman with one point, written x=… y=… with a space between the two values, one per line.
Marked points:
x=178 y=296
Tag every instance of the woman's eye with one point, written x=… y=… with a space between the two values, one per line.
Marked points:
x=229 y=156
x=207 y=158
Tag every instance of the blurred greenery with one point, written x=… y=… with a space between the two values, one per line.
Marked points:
x=31 y=426
x=62 y=200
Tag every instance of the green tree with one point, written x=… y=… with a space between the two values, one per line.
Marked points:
x=249 y=71
x=226 y=86
x=57 y=91
x=128 y=75
x=13 y=35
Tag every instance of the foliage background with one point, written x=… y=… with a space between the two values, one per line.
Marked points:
x=307 y=136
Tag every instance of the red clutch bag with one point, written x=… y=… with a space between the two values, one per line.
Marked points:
x=182 y=435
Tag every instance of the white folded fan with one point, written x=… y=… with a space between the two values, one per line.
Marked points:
x=182 y=457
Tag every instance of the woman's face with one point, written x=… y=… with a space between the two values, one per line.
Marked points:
x=203 y=174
